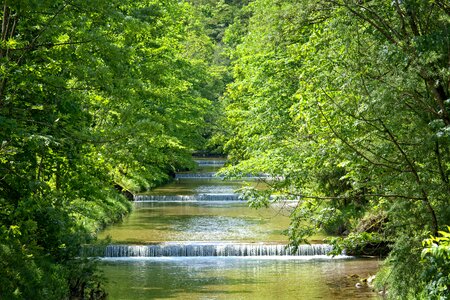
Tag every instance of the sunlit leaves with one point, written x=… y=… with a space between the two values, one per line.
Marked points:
x=96 y=97
x=436 y=259
x=347 y=102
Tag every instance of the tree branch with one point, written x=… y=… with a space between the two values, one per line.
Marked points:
x=426 y=201
x=444 y=5
x=5 y=21
x=385 y=33
x=50 y=45
x=365 y=195
x=401 y=15
x=444 y=176
x=356 y=150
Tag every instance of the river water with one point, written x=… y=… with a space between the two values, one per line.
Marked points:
x=195 y=239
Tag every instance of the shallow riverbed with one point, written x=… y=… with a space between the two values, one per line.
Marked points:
x=238 y=278
x=207 y=243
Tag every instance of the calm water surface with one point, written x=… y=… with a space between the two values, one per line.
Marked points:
x=157 y=222
x=222 y=277
x=237 y=278
x=204 y=185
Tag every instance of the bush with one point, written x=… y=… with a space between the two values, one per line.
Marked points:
x=436 y=262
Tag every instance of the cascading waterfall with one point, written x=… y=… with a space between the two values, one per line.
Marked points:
x=197 y=175
x=198 y=197
x=214 y=175
x=210 y=163
x=196 y=238
x=201 y=198
x=203 y=249
x=206 y=249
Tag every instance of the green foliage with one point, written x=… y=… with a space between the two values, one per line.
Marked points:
x=346 y=103
x=97 y=98
x=365 y=243
x=213 y=18
x=401 y=272
x=436 y=261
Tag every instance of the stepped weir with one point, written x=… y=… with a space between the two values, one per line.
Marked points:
x=197 y=175
x=203 y=230
x=213 y=175
x=207 y=249
x=210 y=163
x=196 y=237
x=198 y=197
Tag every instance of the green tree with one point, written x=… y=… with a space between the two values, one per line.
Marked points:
x=94 y=97
x=436 y=259
x=345 y=103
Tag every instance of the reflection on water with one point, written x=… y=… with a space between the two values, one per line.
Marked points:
x=237 y=278
x=203 y=185
x=216 y=221
x=271 y=277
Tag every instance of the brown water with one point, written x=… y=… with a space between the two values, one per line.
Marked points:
x=194 y=186
x=193 y=221
x=238 y=278
x=190 y=220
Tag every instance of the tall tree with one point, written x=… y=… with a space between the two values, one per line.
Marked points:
x=94 y=96
x=345 y=102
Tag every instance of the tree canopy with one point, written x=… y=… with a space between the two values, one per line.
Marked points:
x=96 y=98
x=346 y=104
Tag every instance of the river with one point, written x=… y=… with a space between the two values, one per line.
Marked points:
x=196 y=239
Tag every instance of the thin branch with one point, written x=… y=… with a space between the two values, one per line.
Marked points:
x=444 y=177
x=425 y=200
x=347 y=113
x=357 y=151
x=444 y=5
x=401 y=15
x=386 y=34
x=361 y=118
x=5 y=21
x=50 y=45
x=413 y=22
x=13 y=27
x=380 y=19
x=421 y=103
x=34 y=40
x=365 y=195
x=57 y=13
